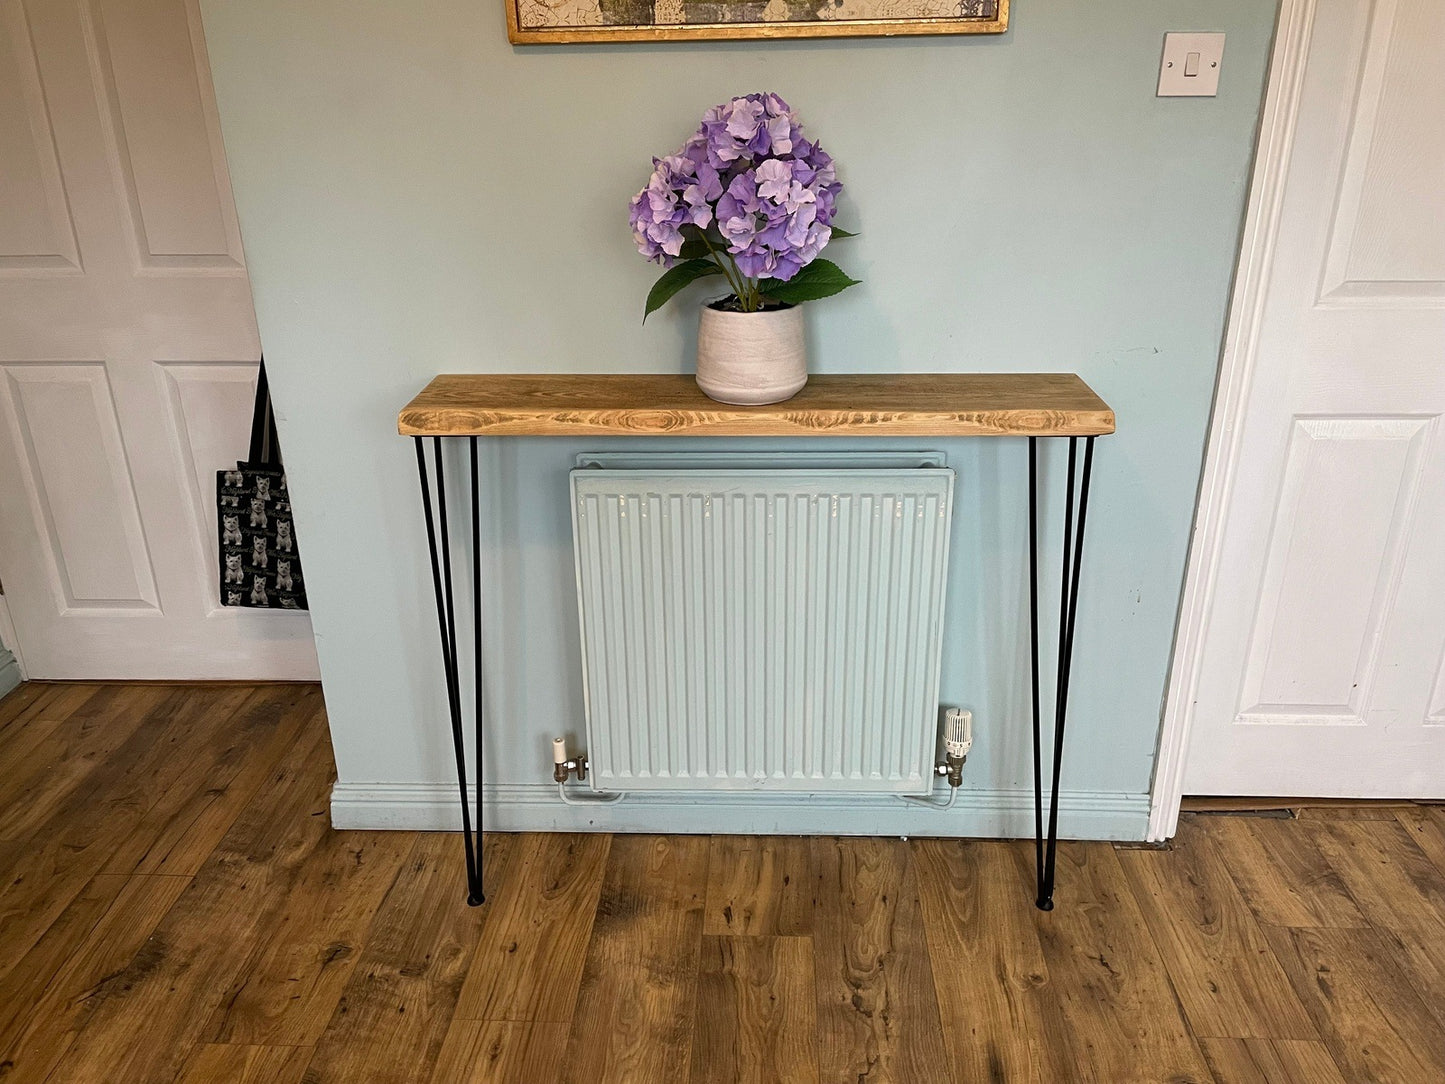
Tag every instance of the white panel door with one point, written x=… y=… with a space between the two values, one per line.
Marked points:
x=127 y=350
x=1323 y=665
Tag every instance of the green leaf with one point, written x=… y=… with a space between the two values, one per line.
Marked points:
x=693 y=246
x=674 y=279
x=839 y=233
x=821 y=278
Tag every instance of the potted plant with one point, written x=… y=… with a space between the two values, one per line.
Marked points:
x=751 y=199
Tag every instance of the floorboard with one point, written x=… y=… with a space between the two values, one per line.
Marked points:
x=756 y=1020
x=760 y=885
x=1228 y=982
x=213 y=1063
x=1121 y=1020
x=155 y=1008
x=1376 y=1026
x=1270 y=1061
x=175 y=909
x=878 y=1015
x=1280 y=871
x=638 y=995
x=529 y=963
x=393 y=1014
x=500 y=1052
x=288 y=987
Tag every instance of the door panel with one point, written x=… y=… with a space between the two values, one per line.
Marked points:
x=1388 y=239
x=155 y=93
x=1314 y=644
x=127 y=347
x=35 y=228
x=1321 y=658
x=78 y=479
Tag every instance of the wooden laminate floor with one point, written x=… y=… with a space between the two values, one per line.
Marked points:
x=175 y=907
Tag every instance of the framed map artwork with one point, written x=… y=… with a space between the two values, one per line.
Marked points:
x=537 y=22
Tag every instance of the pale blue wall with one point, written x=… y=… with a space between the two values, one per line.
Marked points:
x=418 y=196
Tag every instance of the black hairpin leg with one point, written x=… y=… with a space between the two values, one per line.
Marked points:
x=438 y=540
x=1046 y=846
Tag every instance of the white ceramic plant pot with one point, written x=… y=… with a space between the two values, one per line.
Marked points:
x=750 y=358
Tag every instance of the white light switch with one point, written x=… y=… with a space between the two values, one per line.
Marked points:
x=1190 y=65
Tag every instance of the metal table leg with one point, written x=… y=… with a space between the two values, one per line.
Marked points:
x=1046 y=845
x=441 y=570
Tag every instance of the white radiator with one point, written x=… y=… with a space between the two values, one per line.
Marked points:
x=762 y=629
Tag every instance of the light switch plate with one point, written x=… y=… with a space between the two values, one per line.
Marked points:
x=1190 y=65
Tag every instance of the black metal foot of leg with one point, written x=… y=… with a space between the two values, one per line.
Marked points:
x=475 y=901
x=1046 y=841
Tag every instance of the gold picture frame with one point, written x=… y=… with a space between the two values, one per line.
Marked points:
x=561 y=22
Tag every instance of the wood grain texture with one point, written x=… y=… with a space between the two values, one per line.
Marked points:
x=213 y=1063
x=70 y=830
x=500 y=1052
x=32 y=961
x=298 y=954
x=760 y=886
x=878 y=1017
x=1422 y=959
x=1368 y=1014
x=993 y=992
x=907 y=404
x=25 y=984
x=285 y=992
x=634 y=1016
x=155 y=1008
x=38 y=735
x=529 y=963
x=22 y=699
x=393 y=1015
x=1118 y=1017
x=1280 y=871
x=45 y=773
x=56 y=1014
x=1228 y=982
x=755 y=1012
x=1270 y=1061
x=1344 y=810
x=187 y=815
x=1390 y=879
x=1426 y=825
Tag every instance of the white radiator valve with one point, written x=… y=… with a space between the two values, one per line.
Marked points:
x=957 y=741
x=563 y=766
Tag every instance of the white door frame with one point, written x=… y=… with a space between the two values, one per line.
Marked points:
x=1236 y=367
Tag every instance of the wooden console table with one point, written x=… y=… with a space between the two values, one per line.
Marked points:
x=1032 y=405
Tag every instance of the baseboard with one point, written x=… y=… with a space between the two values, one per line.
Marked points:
x=535 y=807
x=10 y=676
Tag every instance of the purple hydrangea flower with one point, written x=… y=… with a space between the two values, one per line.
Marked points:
x=752 y=181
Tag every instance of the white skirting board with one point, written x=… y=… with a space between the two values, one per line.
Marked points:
x=535 y=807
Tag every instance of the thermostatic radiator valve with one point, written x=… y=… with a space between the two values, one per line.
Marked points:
x=957 y=741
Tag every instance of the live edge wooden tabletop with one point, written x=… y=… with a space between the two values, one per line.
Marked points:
x=904 y=404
